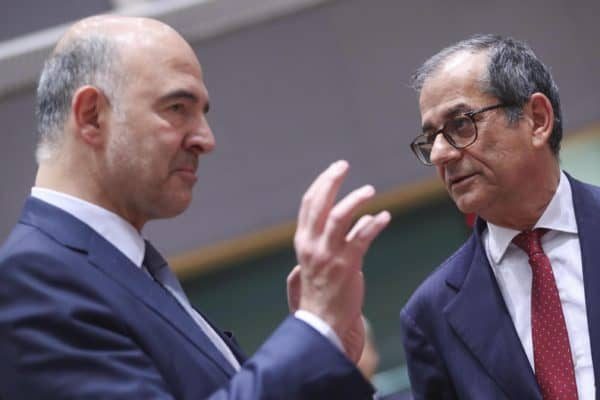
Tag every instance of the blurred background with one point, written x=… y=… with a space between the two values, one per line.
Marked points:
x=295 y=85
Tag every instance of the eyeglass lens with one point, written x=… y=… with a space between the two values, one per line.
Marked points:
x=459 y=132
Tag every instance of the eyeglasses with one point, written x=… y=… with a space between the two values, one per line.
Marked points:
x=459 y=132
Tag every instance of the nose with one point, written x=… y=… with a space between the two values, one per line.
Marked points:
x=201 y=139
x=443 y=152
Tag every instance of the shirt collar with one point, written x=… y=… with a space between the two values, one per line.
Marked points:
x=107 y=224
x=559 y=215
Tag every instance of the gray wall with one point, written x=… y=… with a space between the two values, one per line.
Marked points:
x=291 y=95
x=20 y=17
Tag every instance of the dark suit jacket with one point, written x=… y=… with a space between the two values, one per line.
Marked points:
x=459 y=338
x=79 y=321
x=403 y=395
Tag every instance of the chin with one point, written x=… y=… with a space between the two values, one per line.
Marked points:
x=173 y=206
x=467 y=204
x=179 y=207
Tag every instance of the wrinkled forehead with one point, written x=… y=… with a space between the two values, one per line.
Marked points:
x=161 y=56
x=455 y=86
x=164 y=58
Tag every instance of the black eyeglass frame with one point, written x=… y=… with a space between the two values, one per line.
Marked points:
x=414 y=146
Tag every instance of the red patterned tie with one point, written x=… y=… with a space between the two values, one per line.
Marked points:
x=551 y=351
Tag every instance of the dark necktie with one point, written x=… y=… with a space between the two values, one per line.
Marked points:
x=159 y=270
x=551 y=351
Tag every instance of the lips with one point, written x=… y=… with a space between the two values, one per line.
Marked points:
x=452 y=181
x=187 y=173
x=190 y=170
x=185 y=167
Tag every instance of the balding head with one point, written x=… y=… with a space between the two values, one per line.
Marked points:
x=130 y=32
x=96 y=51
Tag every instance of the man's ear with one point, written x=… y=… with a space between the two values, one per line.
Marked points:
x=542 y=117
x=88 y=107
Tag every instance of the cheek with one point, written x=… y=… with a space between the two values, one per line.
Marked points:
x=154 y=155
x=492 y=155
x=118 y=152
x=135 y=162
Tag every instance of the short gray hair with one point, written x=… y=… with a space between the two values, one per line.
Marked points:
x=514 y=73
x=90 y=60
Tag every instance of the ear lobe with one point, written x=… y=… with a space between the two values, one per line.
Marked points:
x=87 y=106
x=542 y=117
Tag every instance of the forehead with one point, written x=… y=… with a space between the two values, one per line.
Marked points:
x=163 y=65
x=455 y=86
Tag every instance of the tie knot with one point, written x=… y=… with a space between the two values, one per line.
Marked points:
x=530 y=241
x=153 y=261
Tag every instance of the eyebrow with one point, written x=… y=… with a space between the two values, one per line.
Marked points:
x=452 y=112
x=183 y=94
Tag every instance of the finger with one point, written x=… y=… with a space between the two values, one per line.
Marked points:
x=360 y=224
x=365 y=234
x=319 y=197
x=341 y=216
x=314 y=188
x=294 y=289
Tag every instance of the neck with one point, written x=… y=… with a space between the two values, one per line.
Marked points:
x=55 y=178
x=524 y=208
x=82 y=185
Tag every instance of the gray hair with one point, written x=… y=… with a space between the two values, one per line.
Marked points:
x=514 y=73
x=90 y=60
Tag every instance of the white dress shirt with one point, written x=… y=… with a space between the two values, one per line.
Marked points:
x=513 y=273
x=122 y=235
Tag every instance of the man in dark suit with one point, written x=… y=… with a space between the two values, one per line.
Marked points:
x=512 y=314
x=90 y=310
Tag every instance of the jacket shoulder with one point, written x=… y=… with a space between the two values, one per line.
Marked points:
x=27 y=245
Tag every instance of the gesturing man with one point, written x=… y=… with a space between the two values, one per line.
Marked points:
x=90 y=310
x=512 y=314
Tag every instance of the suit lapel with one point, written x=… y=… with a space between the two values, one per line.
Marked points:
x=479 y=317
x=227 y=337
x=76 y=235
x=104 y=256
x=234 y=346
x=586 y=201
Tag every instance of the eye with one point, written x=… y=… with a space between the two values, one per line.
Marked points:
x=460 y=127
x=177 y=107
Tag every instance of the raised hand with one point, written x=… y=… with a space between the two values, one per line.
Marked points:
x=352 y=340
x=330 y=252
